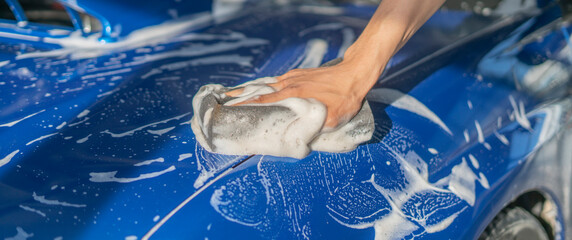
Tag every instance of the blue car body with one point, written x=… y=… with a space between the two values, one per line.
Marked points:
x=472 y=115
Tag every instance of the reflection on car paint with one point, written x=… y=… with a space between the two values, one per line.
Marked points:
x=406 y=102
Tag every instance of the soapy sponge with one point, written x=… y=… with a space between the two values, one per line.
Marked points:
x=291 y=127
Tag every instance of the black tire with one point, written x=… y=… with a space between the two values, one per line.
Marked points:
x=514 y=223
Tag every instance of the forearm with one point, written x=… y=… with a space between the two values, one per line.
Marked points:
x=393 y=23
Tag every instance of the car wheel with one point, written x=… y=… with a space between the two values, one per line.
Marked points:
x=514 y=223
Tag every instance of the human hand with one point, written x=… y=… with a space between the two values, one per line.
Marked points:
x=341 y=88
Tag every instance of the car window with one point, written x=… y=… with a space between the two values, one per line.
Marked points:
x=46 y=12
x=5 y=12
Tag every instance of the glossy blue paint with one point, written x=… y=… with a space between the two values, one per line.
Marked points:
x=120 y=18
x=101 y=147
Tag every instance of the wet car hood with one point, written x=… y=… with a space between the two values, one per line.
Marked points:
x=102 y=145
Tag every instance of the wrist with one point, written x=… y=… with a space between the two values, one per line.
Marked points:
x=362 y=74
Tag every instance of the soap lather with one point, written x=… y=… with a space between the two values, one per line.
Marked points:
x=290 y=128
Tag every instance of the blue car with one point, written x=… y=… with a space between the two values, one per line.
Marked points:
x=473 y=124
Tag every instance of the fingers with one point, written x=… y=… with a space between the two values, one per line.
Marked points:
x=295 y=73
x=234 y=92
x=268 y=98
x=277 y=86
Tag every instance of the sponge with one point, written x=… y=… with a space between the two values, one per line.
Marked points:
x=291 y=128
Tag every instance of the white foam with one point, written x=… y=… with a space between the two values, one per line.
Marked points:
x=474 y=161
x=61 y=125
x=184 y=156
x=462 y=182
x=8 y=158
x=201 y=50
x=4 y=63
x=160 y=131
x=105 y=74
x=78 y=123
x=480 y=136
x=10 y=124
x=80 y=47
x=20 y=235
x=20 y=36
x=466 y=134
x=82 y=140
x=292 y=132
x=111 y=176
x=40 y=138
x=393 y=226
x=131 y=132
x=149 y=162
x=443 y=224
x=519 y=113
x=29 y=209
x=42 y=199
x=83 y=113
x=433 y=151
x=217 y=59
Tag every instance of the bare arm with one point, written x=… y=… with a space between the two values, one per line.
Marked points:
x=343 y=87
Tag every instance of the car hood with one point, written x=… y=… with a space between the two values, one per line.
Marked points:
x=104 y=143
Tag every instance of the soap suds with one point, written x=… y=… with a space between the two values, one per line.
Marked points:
x=443 y=224
x=10 y=124
x=466 y=134
x=82 y=140
x=83 y=113
x=480 y=136
x=432 y=151
x=8 y=158
x=20 y=235
x=160 y=131
x=80 y=47
x=29 y=209
x=217 y=59
x=184 y=156
x=351 y=199
x=4 y=63
x=149 y=162
x=42 y=199
x=111 y=176
x=519 y=113
x=474 y=161
x=40 y=138
x=61 y=125
x=131 y=132
x=291 y=127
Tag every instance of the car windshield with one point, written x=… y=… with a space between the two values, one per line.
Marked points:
x=46 y=12
x=5 y=12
